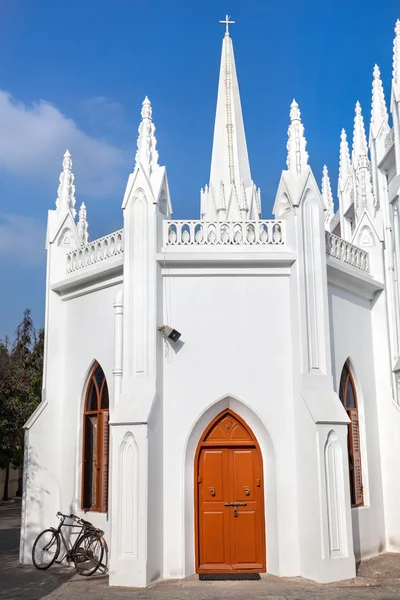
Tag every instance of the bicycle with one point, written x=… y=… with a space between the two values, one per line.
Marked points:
x=86 y=553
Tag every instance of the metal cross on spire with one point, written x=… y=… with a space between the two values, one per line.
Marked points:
x=227 y=22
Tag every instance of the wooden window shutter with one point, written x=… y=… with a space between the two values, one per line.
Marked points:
x=104 y=462
x=356 y=457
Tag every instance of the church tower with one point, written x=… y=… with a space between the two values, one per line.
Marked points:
x=231 y=194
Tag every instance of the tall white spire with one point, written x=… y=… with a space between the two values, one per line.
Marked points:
x=396 y=61
x=231 y=193
x=66 y=189
x=344 y=161
x=345 y=189
x=83 y=226
x=327 y=198
x=147 y=155
x=364 y=197
x=360 y=147
x=379 y=113
x=297 y=158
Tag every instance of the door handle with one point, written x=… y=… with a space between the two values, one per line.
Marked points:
x=234 y=506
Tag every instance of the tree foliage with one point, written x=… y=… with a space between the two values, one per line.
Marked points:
x=21 y=366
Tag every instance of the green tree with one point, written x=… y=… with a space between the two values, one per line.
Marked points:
x=21 y=368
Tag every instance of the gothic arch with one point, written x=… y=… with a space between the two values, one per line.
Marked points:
x=349 y=364
x=366 y=237
x=268 y=456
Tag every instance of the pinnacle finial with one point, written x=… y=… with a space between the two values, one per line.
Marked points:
x=147 y=154
x=344 y=160
x=297 y=157
x=360 y=147
x=83 y=226
x=396 y=56
x=66 y=189
x=327 y=197
x=146 y=109
x=379 y=111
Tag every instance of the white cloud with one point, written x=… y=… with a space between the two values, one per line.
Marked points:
x=34 y=138
x=22 y=238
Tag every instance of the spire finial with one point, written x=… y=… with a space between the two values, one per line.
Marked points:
x=327 y=197
x=360 y=147
x=364 y=195
x=396 y=55
x=379 y=111
x=66 y=189
x=297 y=157
x=227 y=22
x=83 y=226
x=147 y=154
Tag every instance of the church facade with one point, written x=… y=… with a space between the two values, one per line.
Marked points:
x=223 y=394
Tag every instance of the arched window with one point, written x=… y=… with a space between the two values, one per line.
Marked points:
x=348 y=396
x=95 y=443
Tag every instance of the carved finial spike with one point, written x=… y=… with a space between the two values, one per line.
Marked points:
x=294 y=111
x=147 y=154
x=379 y=111
x=83 y=226
x=66 y=189
x=327 y=197
x=397 y=27
x=358 y=108
x=297 y=157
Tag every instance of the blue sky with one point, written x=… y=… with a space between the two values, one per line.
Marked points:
x=74 y=74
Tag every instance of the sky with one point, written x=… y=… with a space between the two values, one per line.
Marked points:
x=74 y=75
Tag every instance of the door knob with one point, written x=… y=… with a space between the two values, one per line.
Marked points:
x=212 y=491
x=247 y=491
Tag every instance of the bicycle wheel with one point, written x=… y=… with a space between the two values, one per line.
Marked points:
x=88 y=554
x=46 y=549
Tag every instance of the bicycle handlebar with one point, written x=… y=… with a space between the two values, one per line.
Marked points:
x=76 y=519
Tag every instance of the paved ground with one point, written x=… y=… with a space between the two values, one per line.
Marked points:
x=378 y=578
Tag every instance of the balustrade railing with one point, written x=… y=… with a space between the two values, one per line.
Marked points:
x=95 y=252
x=346 y=252
x=223 y=233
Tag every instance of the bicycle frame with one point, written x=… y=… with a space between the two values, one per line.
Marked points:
x=77 y=523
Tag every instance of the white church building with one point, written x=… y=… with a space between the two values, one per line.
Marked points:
x=267 y=437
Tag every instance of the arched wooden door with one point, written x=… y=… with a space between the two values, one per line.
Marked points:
x=229 y=507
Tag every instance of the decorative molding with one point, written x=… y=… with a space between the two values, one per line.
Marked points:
x=389 y=140
x=223 y=233
x=139 y=288
x=313 y=285
x=334 y=477
x=128 y=497
x=97 y=251
x=346 y=252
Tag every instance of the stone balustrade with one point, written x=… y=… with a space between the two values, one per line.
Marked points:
x=223 y=233
x=346 y=252
x=95 y=252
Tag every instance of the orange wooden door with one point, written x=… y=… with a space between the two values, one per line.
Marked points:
x=230 y=538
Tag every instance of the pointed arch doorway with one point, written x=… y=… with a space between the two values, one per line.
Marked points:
x=229 y=498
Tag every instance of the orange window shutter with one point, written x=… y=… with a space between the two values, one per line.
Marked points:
x=357 y=470
x=104 y=463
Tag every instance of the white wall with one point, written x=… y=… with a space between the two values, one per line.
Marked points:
x=235 y=343
x=351 y=337
x=54 y=442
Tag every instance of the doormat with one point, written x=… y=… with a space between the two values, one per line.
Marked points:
x=229 y=576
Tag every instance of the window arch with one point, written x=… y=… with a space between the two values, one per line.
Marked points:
x=95 y=442
x=348 y=396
